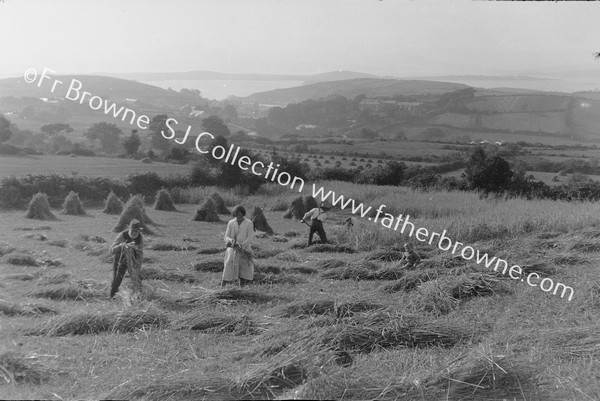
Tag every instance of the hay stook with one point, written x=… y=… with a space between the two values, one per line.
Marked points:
x=207 y=212
x=39 y=208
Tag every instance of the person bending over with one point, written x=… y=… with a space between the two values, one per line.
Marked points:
x=317 y=216
x=128 y=253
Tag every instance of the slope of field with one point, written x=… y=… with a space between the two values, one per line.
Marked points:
x=112 y=89
x=322 y=332
x=371 y=87
x=549 y=122
x=84 y=166
x=522 y=103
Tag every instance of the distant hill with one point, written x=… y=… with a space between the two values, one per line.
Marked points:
x=113 y=89
x=212 y=75
x=351 y=88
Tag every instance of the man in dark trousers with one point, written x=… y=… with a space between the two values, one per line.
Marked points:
x=128 y=251
x=317 y=216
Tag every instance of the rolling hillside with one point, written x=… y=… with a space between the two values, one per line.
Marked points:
x=113 y=89
x=371 y=87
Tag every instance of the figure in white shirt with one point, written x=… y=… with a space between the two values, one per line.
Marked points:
x=239 y=264
x=317 y=216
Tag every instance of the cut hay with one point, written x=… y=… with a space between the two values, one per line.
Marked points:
x=259 y=253
x=39 y=208
x=582 y=341
x=207 y=212
x=23 y=276
x=388 y=273
x=271 y=278
x=540 y=268
x=385 y=255
x=488 y=377
x=260 y=234
x=396 y=333
x=298 y=244
x=5 y=248
x=219 y=204
x=310 y=203
x=94 y=323
x=327 y=264
x=268 y=269
x=163 y=246
x=164 y=201
x=586 y=246
x=67 y=292
x=301 y=270
x=16 y=369
x=360 y=270
x=210 y=251
x=12 y=309
x=434 y=297
x=212 y=265
x=260 y=221
x=55 y=279
x=72 y=205
x=21 y=259
x=146 y=160
x=213 y=322
x=296 y=210
x=134 y=209
x=291 y=234
x=227 y=295
x=279 y=238
x=478 y=285
x=569 y=260
x=330 y=248
x=151 y=273
x=61 y=243
x=288 y=257
x=306 y=309
x=112 y=205
x=411 y=280
x=181 y=387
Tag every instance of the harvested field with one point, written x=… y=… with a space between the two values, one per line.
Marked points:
x=94 y=323
x=67 y=292
x=149 y=273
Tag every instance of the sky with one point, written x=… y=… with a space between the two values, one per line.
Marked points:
x=384 y=37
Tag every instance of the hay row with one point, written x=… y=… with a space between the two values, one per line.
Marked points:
x=94 y=323
x=385 y=255
x=213 y=322
x=13 y=309
x=163 y=246
x=210 y=251
x=270 y=278
x=15 y=369
x=151 y=273
x=223 y=295
x=322 y=307
x=330 y=248
x=67 y=292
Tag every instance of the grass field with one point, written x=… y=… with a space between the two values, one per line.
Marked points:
x=293 y=334
x=84 y=166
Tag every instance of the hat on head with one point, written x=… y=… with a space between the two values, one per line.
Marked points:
x=135 y=225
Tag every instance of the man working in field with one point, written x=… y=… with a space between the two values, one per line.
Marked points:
x=317 y=216
x=128 y=251
x=238 y=254
x=410 y=259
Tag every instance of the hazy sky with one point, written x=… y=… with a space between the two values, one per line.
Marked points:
x=389 y=37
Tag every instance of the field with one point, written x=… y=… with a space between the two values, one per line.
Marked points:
x=314 y=325
x=83 y=166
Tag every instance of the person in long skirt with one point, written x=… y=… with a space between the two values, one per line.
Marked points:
x=239 y=264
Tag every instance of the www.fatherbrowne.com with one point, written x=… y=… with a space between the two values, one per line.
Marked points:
x=444 y=243
x=76 y=93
